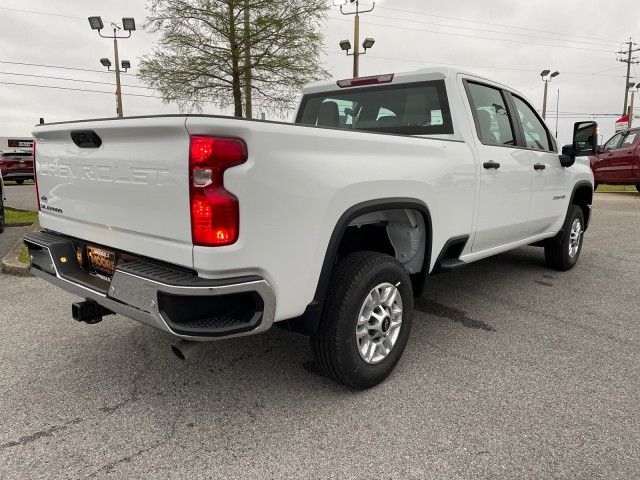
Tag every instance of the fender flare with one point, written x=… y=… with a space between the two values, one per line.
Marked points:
x=587 y=213
x=307 y=323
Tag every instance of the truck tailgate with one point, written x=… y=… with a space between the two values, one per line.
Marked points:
x=131 y=192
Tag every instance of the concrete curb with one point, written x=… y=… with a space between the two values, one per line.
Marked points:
x=10 y=263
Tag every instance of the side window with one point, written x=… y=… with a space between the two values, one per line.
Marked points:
x=630 y=139
x=614 y=142
x=492 y=120
x=535 y=134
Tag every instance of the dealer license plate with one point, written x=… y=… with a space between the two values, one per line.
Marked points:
x=102 y=262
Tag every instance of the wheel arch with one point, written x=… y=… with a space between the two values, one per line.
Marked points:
x=308 y=321
x=582 y=195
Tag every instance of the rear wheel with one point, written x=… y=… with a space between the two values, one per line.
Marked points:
x=366 y=320
x=638 y=186
x=562 y=254
x=20 y=181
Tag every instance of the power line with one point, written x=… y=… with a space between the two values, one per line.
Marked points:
x=437 y=62
x=173 y=99
x=482 y=38
x=55 y=66
x=69 y=79
x=76 y=89
x=41 y=13
x=488 y=31
x=496 y=24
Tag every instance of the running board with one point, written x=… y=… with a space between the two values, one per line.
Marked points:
x=451 y=264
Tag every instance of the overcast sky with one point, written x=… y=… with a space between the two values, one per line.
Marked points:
x=508 y=41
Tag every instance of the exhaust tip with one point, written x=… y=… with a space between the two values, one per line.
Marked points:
x=177 y=352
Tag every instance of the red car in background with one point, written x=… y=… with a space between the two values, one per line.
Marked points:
x=17 y=166
x=618 y=161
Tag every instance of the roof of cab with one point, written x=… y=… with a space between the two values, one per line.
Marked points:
x=421 y=75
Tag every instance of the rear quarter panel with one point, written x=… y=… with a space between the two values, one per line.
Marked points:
x=299 y=180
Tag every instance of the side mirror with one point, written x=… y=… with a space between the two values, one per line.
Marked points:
x=585 y=142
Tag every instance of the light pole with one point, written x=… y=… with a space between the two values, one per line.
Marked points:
x=345 y=44
x=632 y=90
x=546 y=78
x=129 y=25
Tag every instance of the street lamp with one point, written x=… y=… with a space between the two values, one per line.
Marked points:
x=632 y=90
x=129 y=25
x=124 y=64
x=345 y=45
x=546 y=78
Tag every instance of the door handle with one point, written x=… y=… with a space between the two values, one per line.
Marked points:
x=539 y=166
x=491 y=164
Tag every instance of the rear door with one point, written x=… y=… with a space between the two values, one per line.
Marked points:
x=505 y=170
x=626 y=163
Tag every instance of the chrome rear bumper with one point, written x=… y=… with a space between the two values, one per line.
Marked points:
x=160 y=296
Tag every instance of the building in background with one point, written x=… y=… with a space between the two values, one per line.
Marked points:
x=15 y=143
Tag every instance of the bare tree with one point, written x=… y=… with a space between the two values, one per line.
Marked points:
x=236 y=53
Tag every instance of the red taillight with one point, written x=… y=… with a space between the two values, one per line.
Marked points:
x=215 y=213
x=35 y=173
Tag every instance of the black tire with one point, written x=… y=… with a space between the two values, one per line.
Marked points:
x=20 y=181
x=335 y=346
x=638 y=187
x=562 y=252
x=595 y=186
x=1 y=213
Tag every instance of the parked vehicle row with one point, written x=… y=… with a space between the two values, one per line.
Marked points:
x=16 y=166
x=618 y=160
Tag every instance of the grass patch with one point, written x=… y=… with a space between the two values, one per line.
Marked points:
x=616 y=188
x=18 y=216
x=24 y=256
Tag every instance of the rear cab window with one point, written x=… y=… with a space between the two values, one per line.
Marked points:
x=418 y=108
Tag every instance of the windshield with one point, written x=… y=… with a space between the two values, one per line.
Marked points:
x=409 y=109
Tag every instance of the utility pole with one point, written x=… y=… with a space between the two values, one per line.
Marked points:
x=546 y=76
x=629 y=60
x=345 y=44
x=129 y=26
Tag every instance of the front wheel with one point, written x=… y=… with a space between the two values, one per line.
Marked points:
x=366 y=320
x=562 y=253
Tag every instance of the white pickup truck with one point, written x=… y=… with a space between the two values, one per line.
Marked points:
x=211 y=227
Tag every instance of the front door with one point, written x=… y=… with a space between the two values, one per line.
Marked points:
x=606 y=168
x=549 y=195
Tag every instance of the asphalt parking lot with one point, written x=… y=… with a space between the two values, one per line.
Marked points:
x=512 y=371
